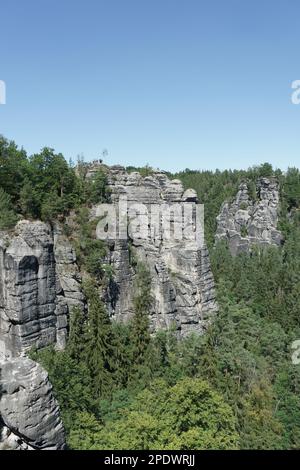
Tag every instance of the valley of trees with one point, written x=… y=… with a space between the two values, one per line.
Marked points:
x=118 y=386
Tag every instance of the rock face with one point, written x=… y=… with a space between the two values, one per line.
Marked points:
x=33 y=312
x=247 y=222
x=68 y=284
x=182 y=282
x=30 y=313
x=28 y=410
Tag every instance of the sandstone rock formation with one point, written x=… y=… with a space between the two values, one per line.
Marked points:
x=246 y=222
x=33 y=312
x=182 y=281
x=27 y=408
x=28 y=290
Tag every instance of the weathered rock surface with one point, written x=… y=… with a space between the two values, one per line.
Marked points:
x=246 y=222
x=68 y=284
x=37 y=287
x=28 y=409
x=182 y=282
x=33 y=307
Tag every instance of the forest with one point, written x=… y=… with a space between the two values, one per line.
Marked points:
x=121 y=387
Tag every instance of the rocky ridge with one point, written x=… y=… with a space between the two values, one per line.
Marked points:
x=247 y=222
x=182 y=282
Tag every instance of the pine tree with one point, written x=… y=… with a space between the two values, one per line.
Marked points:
x=99 y=188
x=140 y=326
x=8 y=217
x=76 y=335
x=122 y=357
x=99 y=343
x=29 y=201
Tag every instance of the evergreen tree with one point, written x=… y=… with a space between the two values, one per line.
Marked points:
x=189 y=415
x=29 y=200
x=98 y=189
x=52 y=206
x=76 y=334
x=13 y=168
x=140 y=331
x=8 y=217
x=98 y=343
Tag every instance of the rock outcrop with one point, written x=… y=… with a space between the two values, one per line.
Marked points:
x=30 y=313
x=28 y=409
x=182 y=282
x=251 y=221
x=33 y=313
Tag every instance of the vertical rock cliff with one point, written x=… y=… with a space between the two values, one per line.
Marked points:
x=33 y=312
x=30 y=313
x=182 y=282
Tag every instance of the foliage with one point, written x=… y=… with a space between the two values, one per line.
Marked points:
x=8 y=217
x=13 y=168
x=140 y=332
x=195 y=417
x=244 y=231
x=98 y=190
x=98 y=352
x=144 y=170
x=44 y=186
x=90 y=251
x=71 y=383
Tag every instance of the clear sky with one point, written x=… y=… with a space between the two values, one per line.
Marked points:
x=172 y=83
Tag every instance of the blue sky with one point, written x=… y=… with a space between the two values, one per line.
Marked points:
x=171 y=83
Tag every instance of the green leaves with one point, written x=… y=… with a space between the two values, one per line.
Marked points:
x=8 y=217
x=98 y=351
x=44 y=186
x=140 y=331
x=55 y=185
x=189 y=415
x=13 y=168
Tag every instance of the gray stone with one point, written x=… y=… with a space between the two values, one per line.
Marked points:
x=245 y=223
x=27 y=289
x=34 y=311
x=182 y=283
x=28 y=409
